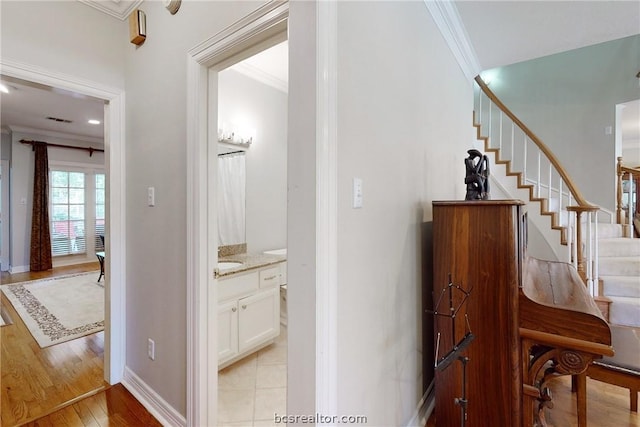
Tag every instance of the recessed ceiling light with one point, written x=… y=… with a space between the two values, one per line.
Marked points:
x=94 y=122
x=4 y=88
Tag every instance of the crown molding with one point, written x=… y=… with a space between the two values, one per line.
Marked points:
x=117 y=8
x=54 y=134
x=447 y=19
x=261 y=76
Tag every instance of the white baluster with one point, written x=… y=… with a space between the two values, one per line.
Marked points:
x=550 y=180
x=524 y=166
x=560 y=197
x=538 y=176
x=490 y=125
x=513 y=139
x=596 y=262
x=500 y=140
x=589 y=254
x=480 y=108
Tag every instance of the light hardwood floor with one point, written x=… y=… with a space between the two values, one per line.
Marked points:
x=112 y=407
x=36 y=381
x=607 y=406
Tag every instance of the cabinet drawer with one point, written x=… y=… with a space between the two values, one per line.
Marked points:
x=237 y=285
x=270 y=277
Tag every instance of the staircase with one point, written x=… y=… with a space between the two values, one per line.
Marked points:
x=564 y=217
x=608 y=262
x=620 y=274
x=606 y=259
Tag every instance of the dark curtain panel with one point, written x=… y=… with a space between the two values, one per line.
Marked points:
x=40 y=236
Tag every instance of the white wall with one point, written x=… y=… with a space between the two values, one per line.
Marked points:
x=404 y=125
x=631 y=153
x=155 y=75
x=301 y=209
x=65 y=36
x=265 y=109
x=568 y=99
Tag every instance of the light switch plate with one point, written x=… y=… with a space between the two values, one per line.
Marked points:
x=357 y=193
x=151 y=196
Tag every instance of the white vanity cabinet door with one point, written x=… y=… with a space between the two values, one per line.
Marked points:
x=258 y=318
x=227 y=331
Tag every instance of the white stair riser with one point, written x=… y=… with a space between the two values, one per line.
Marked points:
x=619 y=246
x=621 y=286
x=619 y=266
x=610 y=230
x=625 y=311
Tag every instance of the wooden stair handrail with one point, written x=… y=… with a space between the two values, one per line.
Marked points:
x=577 y=195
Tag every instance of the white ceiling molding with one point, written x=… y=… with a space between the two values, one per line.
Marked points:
x=261 y=76
x=54 y=134
x=450 y=24
x=120 y=9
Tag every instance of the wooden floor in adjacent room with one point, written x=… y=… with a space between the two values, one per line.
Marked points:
x=607 y=406
x=62 y=383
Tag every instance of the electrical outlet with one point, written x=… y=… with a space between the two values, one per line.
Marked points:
x=151 y=349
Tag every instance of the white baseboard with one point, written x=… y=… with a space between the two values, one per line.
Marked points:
x=156 y=405
x=19 y=269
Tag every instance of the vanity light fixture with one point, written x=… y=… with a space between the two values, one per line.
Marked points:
x=94 y=122
x=232 y=134
x=4 y=88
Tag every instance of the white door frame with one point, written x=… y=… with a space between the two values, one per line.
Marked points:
x=114 y=141
x=216 y=53
x=203 y=62
x=4 y=221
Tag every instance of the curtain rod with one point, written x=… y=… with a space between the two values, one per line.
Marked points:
x=91 y=150
x=232 y=152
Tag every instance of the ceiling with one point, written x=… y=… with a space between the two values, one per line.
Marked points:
x=28 y=105
x=506 y=32
x=526 y=30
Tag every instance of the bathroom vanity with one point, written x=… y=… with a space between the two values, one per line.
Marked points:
x=248 y=304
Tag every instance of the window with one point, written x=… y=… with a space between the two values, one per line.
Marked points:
x=67 y=212
x=77 y=209
x=99 y=220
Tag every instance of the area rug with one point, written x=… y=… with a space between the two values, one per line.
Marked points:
x=59 y=309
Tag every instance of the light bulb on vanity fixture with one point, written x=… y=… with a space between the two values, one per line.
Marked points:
x=236 y=135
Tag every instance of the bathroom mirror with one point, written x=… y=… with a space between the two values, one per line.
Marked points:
x=231 y=196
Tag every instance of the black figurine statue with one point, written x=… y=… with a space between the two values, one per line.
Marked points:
x=477 y=178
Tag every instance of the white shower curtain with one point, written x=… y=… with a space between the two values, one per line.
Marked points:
x=231 y=199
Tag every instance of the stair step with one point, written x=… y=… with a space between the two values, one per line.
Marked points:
x=610 y=230
x=621 y=286
x=625 y=311
x=618 y=246
x=626 y=342
x=619 y=266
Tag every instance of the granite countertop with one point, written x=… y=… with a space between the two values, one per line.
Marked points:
x=249 y=262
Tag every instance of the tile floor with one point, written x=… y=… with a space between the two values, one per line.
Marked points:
x=253 y=389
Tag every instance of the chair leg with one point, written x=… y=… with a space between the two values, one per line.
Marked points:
x=581 y=397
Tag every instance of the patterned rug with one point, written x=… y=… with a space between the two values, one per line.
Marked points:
x=59 y=309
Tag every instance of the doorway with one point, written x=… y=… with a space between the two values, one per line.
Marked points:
x=252 y=149
x=113 y=112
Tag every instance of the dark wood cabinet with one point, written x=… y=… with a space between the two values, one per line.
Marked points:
x=478 y=246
